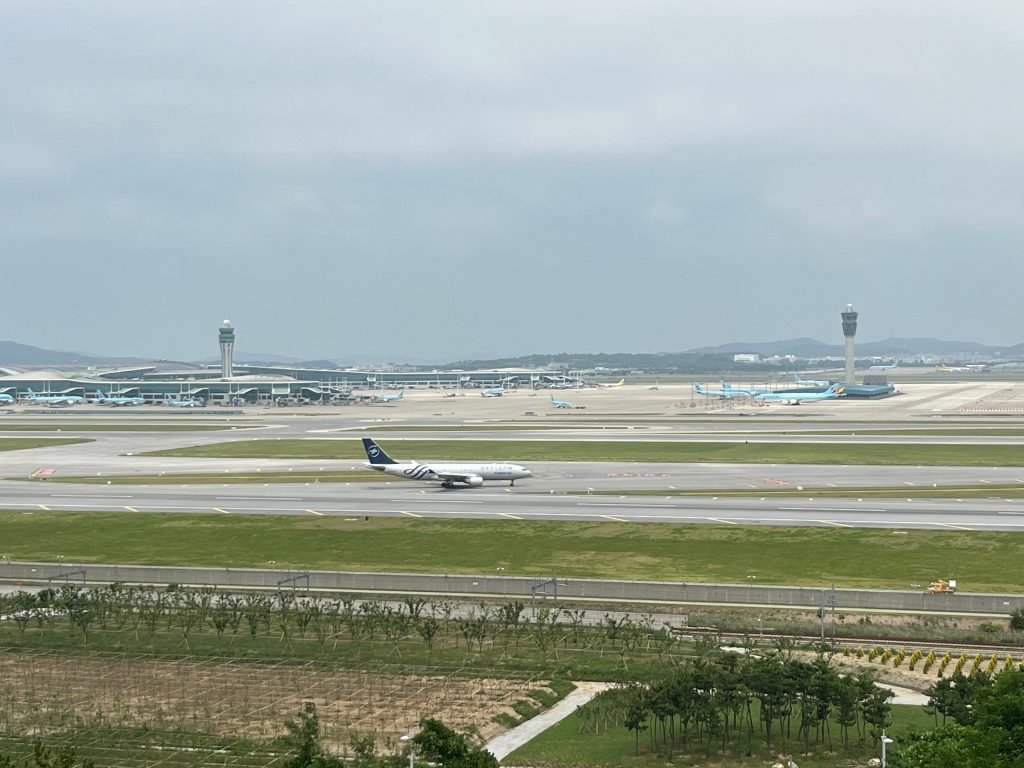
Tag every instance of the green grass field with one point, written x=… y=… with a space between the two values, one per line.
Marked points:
x=625 y=451
x=980 y=491
x=24 y=443
x=120 y=427
x=882 y=558
x=208 y=478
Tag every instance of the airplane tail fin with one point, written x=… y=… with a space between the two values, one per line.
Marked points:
x=698 y=388
x=375 y=453
x=401 y=392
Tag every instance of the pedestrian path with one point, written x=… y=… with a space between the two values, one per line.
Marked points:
x=504 y=745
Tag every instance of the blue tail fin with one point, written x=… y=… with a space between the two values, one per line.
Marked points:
x=375 y=453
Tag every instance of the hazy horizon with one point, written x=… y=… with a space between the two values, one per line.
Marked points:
x=484 y=180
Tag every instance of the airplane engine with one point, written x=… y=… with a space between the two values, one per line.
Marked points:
x=474 y=482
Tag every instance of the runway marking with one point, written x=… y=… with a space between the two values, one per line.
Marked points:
x=131 y=509
x=314 y=512
x=222 y=511
x=90 y=496
x=510 y=516
x=446 y=501
x=411 y=514
x=834 y=522
x=43 y=507
x=828 y=509
x=957 y=527
x=616 y=519
x=720 y=520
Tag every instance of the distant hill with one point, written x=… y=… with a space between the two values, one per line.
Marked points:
x=12 y=353
x=812 y=348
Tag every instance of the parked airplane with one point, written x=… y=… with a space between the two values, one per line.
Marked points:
x=795 y=398
x=53 y=399
x=722 y=394
x=182 y=402
x=810 y=382
x=446 y=473
x=117 y=400
x=561 y=403
x=744 y=391
x=5 y=398
x=616 y=385
x=882 y=367
x=493 y=392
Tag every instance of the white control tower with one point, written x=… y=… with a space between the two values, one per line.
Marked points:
x=227 y=350
x=849 y=331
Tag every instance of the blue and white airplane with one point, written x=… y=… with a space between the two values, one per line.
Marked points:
x=53 y=399
x=183 y=402
x=117 y=400
x=561 y=403
x=795 y=398
x=446 y=473
x=381 y=397
x=722 y=394
x=493 y=392
x=882 y=367
x=744 y=391
x=5 y=398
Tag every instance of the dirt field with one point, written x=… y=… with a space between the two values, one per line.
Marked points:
x=41 y=693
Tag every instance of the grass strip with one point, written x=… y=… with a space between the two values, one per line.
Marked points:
x=993 y=490
x=625 y=451
x=93 y=427
x=210 y=478
x=24 y=443
x=867 y=558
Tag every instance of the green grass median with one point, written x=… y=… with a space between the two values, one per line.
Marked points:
x=212 y=478
x=617 y=450
x=25 y=443
x=875 y=558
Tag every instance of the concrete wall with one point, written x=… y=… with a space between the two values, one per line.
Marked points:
x=523 y=587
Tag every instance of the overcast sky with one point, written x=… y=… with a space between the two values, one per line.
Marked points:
x=443 y=180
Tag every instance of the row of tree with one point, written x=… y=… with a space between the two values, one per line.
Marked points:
x=143 y=611
x=731 y=699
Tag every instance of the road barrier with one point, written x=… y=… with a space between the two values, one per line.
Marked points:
x=540 y=587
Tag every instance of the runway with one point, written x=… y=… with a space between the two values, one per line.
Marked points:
x=407 y=500
x=628 y=414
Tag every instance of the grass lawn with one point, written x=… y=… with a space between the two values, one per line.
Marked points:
x=121 y=427
x=625 y=451
x=565 y=745
x=882 y=558
x=208 y=478
x=990 y=490
x=22 y=443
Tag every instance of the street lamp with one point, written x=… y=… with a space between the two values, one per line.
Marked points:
x=885 y=742
x=409 y=743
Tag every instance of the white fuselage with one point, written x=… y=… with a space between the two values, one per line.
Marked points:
x=412 y=470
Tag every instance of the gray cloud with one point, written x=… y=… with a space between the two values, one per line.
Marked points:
x=599 y=175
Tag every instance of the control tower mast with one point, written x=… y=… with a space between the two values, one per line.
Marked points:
x=849 y=331
x=227 y=350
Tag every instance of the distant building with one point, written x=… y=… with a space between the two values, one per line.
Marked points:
x=747 y=357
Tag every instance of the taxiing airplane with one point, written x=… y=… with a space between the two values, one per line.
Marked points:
x=882 y=367
x=53 y=399
x=561 y=403
x=117 y=400
x=943 y=368
x=493 y=392
x=382 y=397
x=745 y=391
x=795 y=398
x=446 y=473
x=616 y=385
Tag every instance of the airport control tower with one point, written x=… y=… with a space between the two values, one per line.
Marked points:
x=849 y=331
x=227 y=350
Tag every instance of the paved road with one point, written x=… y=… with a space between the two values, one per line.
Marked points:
x=499 y=503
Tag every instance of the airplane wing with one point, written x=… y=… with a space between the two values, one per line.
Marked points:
x=474 y=481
